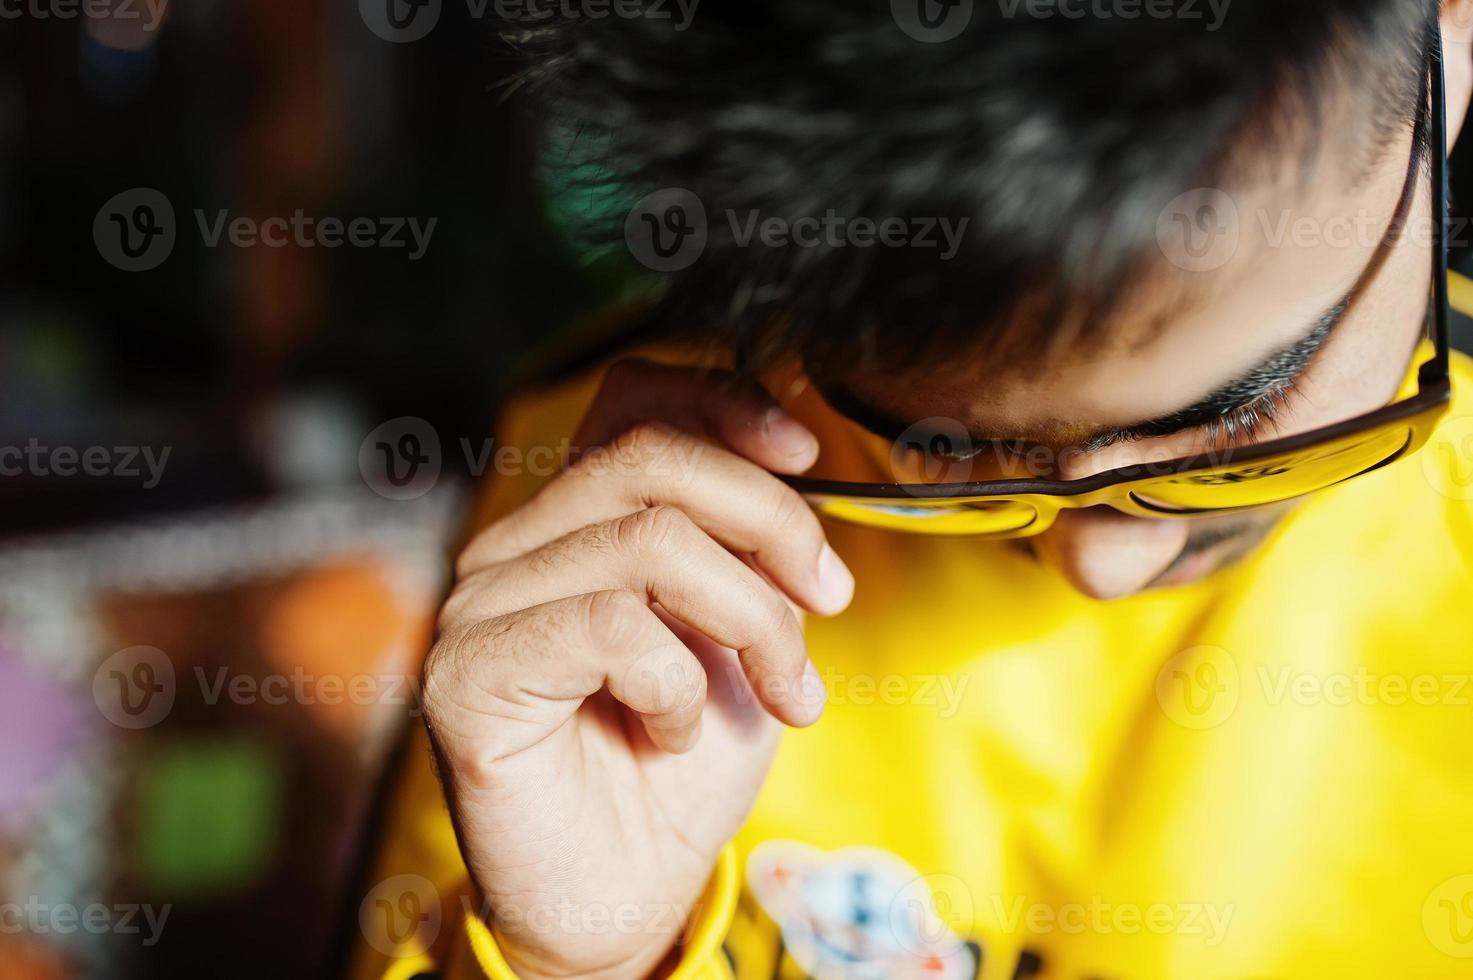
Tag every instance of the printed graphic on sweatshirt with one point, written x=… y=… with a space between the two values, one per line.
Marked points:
x=858 y=913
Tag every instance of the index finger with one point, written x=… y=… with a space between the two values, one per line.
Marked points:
x=703 y=401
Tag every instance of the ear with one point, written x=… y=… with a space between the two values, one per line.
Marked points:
x=1457 y=47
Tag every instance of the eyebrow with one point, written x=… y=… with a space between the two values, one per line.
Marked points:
x=1269 y=381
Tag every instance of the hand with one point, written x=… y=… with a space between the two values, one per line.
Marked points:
x=614 y=660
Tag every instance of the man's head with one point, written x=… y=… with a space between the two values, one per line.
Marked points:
x=1166 y=237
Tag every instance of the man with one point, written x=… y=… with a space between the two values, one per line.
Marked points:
x=1191 y=700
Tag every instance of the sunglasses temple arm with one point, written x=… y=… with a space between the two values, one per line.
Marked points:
x=1437 y=368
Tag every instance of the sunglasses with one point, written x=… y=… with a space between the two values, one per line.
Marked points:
x=1204 y=485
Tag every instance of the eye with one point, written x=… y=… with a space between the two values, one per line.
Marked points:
x=1249 y=422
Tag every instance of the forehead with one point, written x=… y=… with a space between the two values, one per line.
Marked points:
x=1238 y=277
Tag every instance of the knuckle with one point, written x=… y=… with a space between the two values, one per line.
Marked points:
x=612 y=618
x=635 y=450
x=654 y=530
x=560 y=551
x=462 y=602
x=432 y=675
x=791 y=513
x=442 y=675
x=469 y=684
x=782 y=621
x=645 y=439
x=778 y=621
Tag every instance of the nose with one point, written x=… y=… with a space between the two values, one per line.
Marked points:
x=1106 y=554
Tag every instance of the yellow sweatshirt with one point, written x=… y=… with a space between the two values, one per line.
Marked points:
x=1268 y=773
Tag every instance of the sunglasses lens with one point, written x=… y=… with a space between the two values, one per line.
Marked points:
x=1277 y=478
x=988 y=517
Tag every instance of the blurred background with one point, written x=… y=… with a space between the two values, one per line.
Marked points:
x=212 y=602
x=194 y=568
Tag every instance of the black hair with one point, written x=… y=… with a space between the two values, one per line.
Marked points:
x=1058 y=138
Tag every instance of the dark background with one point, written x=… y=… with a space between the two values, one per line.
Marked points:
x=261 y=108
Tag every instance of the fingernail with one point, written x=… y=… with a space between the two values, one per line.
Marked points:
x=835 y=581
x=787 y=434
x=815 y=695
